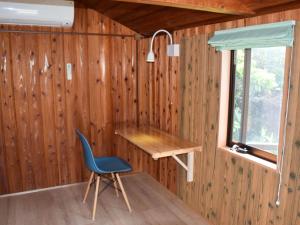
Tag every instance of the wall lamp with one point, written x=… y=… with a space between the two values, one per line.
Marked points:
x=172 y=49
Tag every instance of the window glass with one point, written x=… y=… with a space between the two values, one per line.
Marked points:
x=258 y=91
x=238 y=95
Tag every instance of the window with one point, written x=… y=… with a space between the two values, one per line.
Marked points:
x=257 y=77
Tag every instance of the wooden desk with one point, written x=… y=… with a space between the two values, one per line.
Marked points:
x=161 y=144
x=156 y=142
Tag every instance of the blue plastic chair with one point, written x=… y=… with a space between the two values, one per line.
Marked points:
x=103 y=166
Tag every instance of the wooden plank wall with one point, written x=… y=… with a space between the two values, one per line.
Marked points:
x=40 y=109
x=156 y=97
x=228 y=190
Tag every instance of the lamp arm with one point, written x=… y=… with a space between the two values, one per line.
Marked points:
x=159 y=31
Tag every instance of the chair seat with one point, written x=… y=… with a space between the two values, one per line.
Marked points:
x=112 y=165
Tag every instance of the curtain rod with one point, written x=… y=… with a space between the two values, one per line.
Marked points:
x=65 y=33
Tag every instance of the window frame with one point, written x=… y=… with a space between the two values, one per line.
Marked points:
x=251 y=150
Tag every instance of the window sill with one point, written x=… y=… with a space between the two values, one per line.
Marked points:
x=251 y=158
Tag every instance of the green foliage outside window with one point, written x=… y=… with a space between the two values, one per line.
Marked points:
x=265 y=96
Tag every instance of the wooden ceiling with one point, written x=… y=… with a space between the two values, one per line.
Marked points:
x=147 y=18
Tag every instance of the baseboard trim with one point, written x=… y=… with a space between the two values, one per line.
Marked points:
x=40 y=190
x=54 y=187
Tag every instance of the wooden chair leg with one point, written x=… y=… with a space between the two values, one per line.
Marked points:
x=96 y=196
x=123 y=192
x=88 y=187
x=115 y=184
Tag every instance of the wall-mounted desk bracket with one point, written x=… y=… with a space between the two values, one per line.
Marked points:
x=160 y=144
x=189 y=167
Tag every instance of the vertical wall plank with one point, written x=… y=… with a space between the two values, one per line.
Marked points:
x=9 y=119
x=82 y=82
x=21 y=109
x=3 y=166
x=60 y=113
x=47 y=109
x=34 y=109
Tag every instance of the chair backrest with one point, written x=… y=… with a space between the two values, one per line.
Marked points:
x=88 y=154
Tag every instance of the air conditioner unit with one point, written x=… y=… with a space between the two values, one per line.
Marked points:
x=56 y=13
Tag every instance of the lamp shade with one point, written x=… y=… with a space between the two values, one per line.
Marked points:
x=150 y=56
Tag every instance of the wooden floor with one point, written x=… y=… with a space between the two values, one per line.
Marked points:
x=152 y=205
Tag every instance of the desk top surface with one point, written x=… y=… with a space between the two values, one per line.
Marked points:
x=156 y=142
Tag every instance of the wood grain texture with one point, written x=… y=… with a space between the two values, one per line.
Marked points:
x=40 y=108
x=229 y=7
x=179 y=96
x=156 y=98
x=228 y=189
x=151 y=204
x=146 y=19
x=155 y=142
